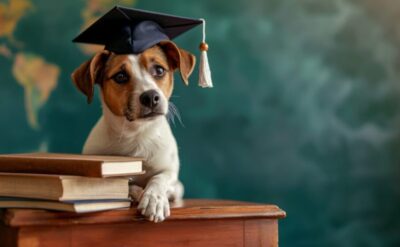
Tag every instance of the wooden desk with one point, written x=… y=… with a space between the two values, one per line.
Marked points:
x=202 y=223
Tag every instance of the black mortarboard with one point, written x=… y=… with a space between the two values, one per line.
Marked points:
x=126 y=30
x=131 y=31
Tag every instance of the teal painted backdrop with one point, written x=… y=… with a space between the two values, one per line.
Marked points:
x=305 y=112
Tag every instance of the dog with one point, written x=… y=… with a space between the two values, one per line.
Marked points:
x=135 y=93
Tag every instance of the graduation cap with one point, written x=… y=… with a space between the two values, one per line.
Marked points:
x=131 y=31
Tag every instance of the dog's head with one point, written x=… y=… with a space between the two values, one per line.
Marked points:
x=135 y=86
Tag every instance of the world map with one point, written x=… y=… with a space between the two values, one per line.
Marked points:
x=37 y=76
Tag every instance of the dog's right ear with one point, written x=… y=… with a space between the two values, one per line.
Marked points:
x=88 y=73
x=179 y=58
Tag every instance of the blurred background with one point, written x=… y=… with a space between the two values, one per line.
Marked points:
x=305 y=112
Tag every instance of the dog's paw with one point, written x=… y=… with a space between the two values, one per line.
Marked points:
x=154 y=205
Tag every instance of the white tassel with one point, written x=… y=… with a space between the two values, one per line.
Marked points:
x=204 y=69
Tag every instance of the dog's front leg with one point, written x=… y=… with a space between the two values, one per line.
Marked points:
x=154 y=202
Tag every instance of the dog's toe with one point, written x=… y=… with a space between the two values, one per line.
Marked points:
x=150 y=210
x=143 y=204
x=159 y=213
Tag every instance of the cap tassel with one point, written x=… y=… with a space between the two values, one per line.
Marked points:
x=204 y=69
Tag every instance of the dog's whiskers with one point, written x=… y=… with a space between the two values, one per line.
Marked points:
x=172 y=113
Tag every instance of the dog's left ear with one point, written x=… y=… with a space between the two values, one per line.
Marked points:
x=87 y=74
x=179 y=58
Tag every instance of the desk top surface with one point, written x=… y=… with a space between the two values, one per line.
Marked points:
x=190 y=209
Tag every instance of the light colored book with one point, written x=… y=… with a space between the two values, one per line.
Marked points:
x=69 y=206
x=62 y=188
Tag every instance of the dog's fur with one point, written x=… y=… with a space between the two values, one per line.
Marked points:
x=127 y=128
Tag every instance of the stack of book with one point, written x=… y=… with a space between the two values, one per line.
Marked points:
x=66 y=182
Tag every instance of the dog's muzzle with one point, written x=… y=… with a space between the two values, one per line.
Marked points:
x=151 y=104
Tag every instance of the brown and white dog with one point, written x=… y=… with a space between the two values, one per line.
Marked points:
x=135 y=92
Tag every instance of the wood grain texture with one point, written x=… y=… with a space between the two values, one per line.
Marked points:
x=193 y=223
x=262 y=232
x=189 y=209
x=174 y=233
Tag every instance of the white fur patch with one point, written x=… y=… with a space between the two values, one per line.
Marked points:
x=144 y=80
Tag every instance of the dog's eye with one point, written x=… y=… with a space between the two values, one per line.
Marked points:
x=121 y=77
x=157 y=71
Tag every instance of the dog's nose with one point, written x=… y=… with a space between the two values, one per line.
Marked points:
x=150 y=98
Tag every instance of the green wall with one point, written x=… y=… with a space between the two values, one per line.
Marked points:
x=305 y=112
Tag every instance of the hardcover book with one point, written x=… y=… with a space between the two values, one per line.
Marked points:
x=62 y=188
x=71 y=164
